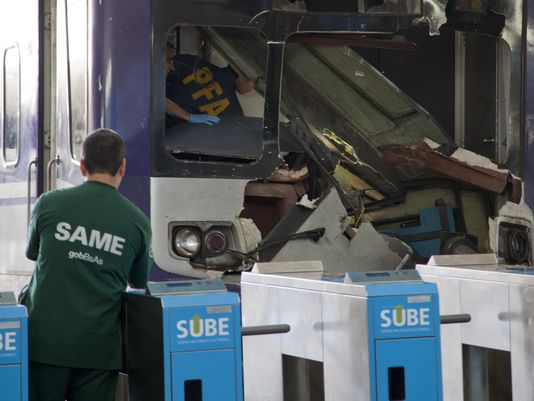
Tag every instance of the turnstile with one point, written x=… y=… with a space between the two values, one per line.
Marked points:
x=491 y=358
x=363 y=336
x=13 y=349
x=183 y=343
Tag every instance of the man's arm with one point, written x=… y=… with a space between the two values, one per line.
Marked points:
x=244 y=85
x=143 y=262
x=32 y=246
x=174 y=110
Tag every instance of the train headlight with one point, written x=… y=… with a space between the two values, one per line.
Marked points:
x=187 y=242
x=215 y=242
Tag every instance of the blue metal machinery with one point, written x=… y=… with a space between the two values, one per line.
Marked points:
x=363 y=337
x=183 y=342
x=13 y=349
x=425 y=232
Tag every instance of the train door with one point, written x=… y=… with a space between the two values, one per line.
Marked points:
x=20 y=125
x=102 y=54
x=71 y=93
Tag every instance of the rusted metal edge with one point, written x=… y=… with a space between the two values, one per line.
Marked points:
x=424 y=158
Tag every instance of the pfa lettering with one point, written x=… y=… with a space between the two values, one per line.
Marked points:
x=8 y=341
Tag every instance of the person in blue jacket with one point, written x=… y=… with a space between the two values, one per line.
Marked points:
x=198 y=91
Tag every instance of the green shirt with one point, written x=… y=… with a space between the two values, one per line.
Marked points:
x=89 y=242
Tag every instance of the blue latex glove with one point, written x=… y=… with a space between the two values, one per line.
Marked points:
x=203 y=119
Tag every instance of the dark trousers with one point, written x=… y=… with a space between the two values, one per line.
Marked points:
x=59 y=383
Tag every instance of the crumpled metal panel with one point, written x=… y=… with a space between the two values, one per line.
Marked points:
x=367 y=250
x=332 y=88
x=424 y=158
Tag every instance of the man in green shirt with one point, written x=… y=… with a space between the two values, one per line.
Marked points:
x=89 y=242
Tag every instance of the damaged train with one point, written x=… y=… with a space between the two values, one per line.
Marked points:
x=378 y=133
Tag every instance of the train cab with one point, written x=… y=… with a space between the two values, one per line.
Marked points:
x=369 y=117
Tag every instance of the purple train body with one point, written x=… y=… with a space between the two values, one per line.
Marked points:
x=71 y=67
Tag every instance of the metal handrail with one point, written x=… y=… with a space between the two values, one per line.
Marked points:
x=29 y=188
x=51 y=163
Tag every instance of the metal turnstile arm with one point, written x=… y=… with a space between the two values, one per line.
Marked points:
x=268 y=329
x=459 y=318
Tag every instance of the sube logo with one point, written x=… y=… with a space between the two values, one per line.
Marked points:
x=400 y=317
x=8 y=341
x=198 y=327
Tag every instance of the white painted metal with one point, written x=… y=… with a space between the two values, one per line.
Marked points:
x=501 y=305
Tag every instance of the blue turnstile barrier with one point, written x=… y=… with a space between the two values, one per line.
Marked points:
x=404 y=343
x=183 y=342
x=372 y=336
x=13 y=349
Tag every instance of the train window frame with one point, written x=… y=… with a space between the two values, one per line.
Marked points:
x=241 y=127
x=275 y=26
x=7 y=101
x=164 y=164
x=71 y=44
x=402 y=8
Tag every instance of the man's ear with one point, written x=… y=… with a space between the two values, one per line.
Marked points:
x=122 y=168
x=83 y=168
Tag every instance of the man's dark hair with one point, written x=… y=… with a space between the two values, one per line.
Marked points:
x=103 y=151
